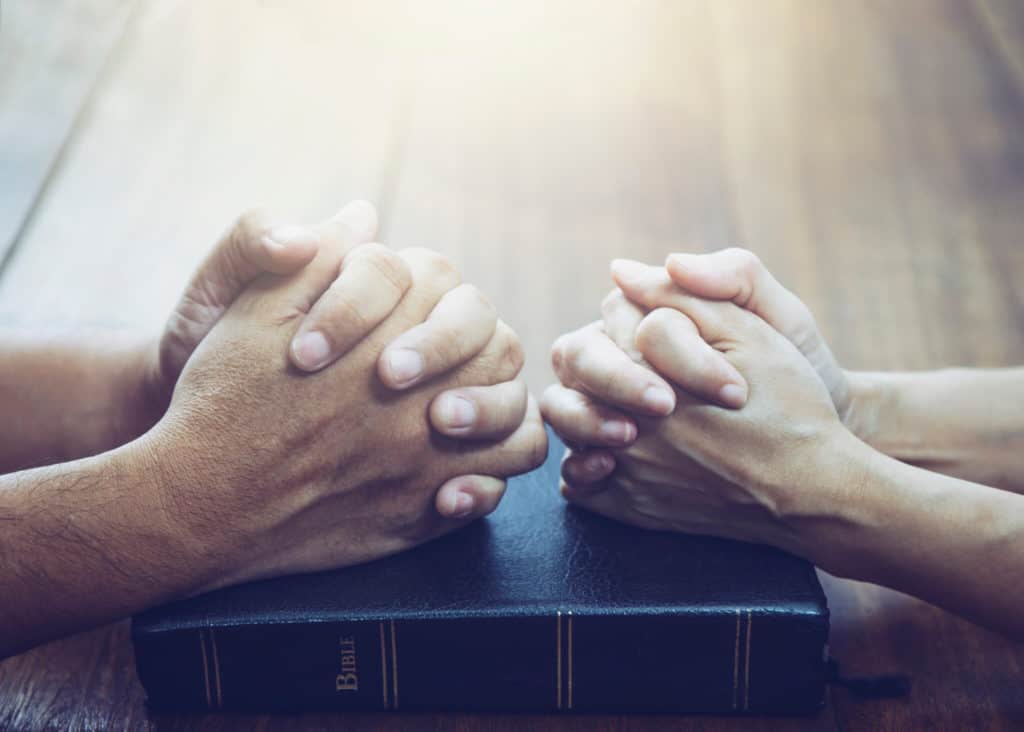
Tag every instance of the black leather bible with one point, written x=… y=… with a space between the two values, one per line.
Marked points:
x=541 y=607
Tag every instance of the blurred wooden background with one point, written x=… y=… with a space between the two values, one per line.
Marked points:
x=872 y=152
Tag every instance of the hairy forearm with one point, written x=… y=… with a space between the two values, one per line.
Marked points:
x=70 y=395
x=956 y=544
x=84 y=543
x=967 y=423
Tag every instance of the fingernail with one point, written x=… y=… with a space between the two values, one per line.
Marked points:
x=679 y=260
x=287 y=236
x=463 y=505
x=457 y=412
x=660 y=400
x=311 y=350
x=627 y=269
x=404 y=365
x=733 y=395
x=598 y=464
x=617 y=431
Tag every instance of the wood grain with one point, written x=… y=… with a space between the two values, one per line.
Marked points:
x=870 y=152
x=599 y=138
x=213 y=108
x=51 y=54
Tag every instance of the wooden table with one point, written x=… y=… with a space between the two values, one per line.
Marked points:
x=871 y=152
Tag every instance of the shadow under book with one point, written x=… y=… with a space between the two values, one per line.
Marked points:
x=541 y=607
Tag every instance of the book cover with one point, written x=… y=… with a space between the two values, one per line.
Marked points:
x=541 y=607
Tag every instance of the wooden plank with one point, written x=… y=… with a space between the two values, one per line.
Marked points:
x=51 y=54
x=869 y=152
x=213 y=108
x=875 y=156
x=576 y=134
x=858 y=176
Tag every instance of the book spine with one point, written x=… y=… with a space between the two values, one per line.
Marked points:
x=729 y=662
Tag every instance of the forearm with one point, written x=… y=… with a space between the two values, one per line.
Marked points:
x=67 y=396
x=84 y=543
x=967 y=423
x=956 y=544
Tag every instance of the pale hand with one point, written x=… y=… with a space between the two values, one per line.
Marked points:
x=745 y=473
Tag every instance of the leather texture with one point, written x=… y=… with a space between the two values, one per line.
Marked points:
x=539 y=607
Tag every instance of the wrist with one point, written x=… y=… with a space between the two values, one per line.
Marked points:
x=178 y=520
x=206 y=497
x=871 y=393
x=93 y=517
x=136 y=397
x=823 y=507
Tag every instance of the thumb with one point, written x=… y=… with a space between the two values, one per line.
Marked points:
x=652 y=288
x=697 y=336
x=251 y=247
x=739 y=275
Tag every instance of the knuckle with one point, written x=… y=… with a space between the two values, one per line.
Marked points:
x=249 y=223
x=572 y=470
x=574 y=353
x=709 y=368
x=469 y=316
x=748 y=262
x=558 y=354
x=517 y=398
x=804 y=316
x=430 y=264
x=248 y=230
x=441 y=346
x=343 y=312
x=645 y=336
x=478 y=301
x=512 y=355
x=415 y=523
x=535 y=448
x=236 y=248
x=611 y=382
x=389 y=266
x=249 y=227
x=416 y=258
x=501 y=407
x=549 y=402
x=653 y=328
x=540 y=446
x=442 y=267
x=612 y=301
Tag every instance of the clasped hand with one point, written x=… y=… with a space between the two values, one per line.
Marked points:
x=318 y=400
x=704 y=401
x=334 y=400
